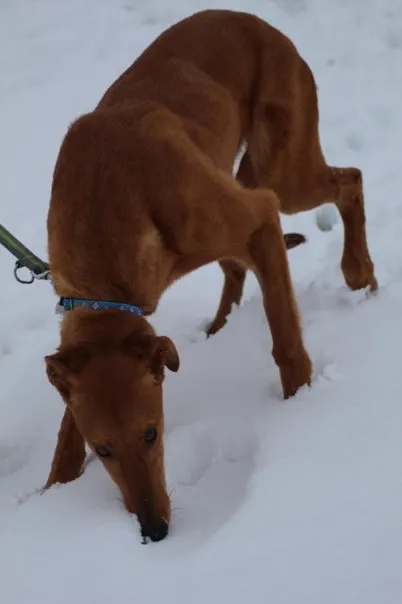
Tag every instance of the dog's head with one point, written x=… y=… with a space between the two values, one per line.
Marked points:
x=114 y=395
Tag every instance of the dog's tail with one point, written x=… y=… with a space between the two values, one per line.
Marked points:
x=293 y=240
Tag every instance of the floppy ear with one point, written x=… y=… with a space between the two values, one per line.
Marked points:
x=61 y=365
x=157 y=351
x=164 y=353
x=69 y=455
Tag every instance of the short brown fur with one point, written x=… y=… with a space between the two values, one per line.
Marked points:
x=143 y=193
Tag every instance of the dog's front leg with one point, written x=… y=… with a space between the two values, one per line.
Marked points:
x=268 y=254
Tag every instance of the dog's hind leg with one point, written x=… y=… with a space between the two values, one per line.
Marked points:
x=233 y=285
x=234 y=277
x=285 y=154
x=234 y=273
x=346 y=186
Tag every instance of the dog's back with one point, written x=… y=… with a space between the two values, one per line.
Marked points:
x=185 y=105
x=214 y=69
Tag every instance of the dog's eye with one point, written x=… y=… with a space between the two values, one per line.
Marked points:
x=103 y=452
x=150 y=435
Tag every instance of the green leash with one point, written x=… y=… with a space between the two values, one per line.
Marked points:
x=25 y=258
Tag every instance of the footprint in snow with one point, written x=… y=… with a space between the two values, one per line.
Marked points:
x=209 y=469
x=190 y=451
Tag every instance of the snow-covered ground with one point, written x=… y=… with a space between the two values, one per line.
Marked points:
x=274 y=502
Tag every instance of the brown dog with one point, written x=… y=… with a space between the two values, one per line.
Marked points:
x=143 y=193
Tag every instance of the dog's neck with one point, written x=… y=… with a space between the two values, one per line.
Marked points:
x=122 y=293
x=108 y=327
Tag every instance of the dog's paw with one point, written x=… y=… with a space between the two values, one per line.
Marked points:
x=295 y=374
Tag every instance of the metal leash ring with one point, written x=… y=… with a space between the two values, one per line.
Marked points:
x=17 y=267
x=44 y=276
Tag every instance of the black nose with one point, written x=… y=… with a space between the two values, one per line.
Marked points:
x=156 y=531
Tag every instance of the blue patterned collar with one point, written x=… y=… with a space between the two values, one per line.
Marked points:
x=66 y=304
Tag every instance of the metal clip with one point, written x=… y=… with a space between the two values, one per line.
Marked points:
x=18 y=266
x=34 y=276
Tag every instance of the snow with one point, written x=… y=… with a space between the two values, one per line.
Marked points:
x=280 y=502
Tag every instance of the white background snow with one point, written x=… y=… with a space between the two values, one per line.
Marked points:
x=296 y=502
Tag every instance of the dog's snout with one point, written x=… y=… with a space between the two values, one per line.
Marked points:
x=155 y=531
